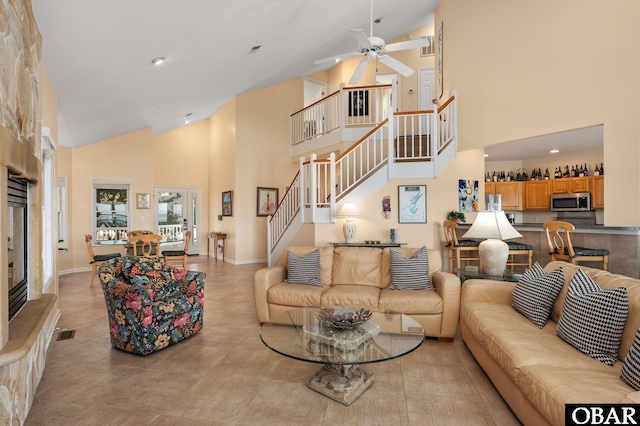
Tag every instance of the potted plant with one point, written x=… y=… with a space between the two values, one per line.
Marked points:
x=456 y=216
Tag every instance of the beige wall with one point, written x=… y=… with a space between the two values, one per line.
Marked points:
x=263 y=159
x=222 y=172
x=523 y=69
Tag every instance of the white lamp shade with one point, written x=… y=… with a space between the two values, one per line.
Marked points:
x=348 y=210
x=493 y=224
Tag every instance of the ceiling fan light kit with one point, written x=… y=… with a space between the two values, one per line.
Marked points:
x=372 y=48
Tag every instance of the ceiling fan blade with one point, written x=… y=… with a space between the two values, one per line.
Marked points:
x=336 y=58
x=396 y=65
x=362 y=38
x=357 y=74
x=409 y=44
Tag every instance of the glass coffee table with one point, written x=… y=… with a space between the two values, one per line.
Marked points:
x=299 y=334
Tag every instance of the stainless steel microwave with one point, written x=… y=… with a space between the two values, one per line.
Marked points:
x=577 y=202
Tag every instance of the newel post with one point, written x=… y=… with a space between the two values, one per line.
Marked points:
x=313 y=187
x=302 y=188
x=391 y=157
x=333 y=188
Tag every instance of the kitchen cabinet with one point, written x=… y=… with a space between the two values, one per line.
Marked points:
x=512 y=193
x=597 y=192
x=570 y=185
x=490 y=188
x=537 y=195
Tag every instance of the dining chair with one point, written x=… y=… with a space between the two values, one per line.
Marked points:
x=560 y=246
x=456 y=248
x=96 y=259
x=147 y=245
x=179 y=254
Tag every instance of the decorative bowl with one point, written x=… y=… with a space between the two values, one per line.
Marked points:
x=343 y=318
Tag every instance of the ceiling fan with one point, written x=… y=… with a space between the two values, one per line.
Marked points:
x=371 y=48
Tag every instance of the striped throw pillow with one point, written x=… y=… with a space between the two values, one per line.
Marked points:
x=592 y=319
x=630 y=373
x=304 y=270
x=410 y=274
x=536 y=292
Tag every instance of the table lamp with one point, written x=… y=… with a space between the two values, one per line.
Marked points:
x=495 y=227
x=349 y=211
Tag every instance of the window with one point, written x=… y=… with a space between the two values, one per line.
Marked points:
x=111 y=199
x=62 y=214
x=48 y=209
x=428 y=50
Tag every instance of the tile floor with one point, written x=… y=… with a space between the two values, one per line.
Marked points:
x=225 y=375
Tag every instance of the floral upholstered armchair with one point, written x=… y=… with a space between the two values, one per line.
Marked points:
x=150 y=305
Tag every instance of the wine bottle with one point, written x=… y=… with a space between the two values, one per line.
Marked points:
x=596 y=170
x=546 y=174
x=581 y=172
x=601 y=169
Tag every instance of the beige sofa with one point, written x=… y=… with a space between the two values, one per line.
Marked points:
x=533 y=369
x=360 y=277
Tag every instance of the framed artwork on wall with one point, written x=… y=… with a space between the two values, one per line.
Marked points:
x=227 y=203
x=467 y=195
x=412 y=203
x=267 y=201
x=143 y=200
x=440 y=59
x=358 y=103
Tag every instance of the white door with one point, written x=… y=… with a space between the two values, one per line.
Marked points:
x=388 y=78
x=178 y=211
x=426 y=88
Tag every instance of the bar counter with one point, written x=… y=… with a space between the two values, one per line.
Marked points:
x=622 y=242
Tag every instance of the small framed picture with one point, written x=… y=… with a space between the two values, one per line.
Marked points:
x=358 y=103
x=227 y=203
x=412 y=203
x=267 y=201
x=143 y=200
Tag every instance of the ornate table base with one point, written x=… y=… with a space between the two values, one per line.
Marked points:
x=342 y=383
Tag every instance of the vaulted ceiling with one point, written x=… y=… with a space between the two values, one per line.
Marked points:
x=98 y=54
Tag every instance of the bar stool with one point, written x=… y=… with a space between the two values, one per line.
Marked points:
x=520 y=249
x=560 y=247
x=456 y=248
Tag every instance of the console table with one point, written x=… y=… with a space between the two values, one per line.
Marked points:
x=217 y=236
x=381 y=244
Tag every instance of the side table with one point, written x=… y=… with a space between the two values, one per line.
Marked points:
x=217 y=236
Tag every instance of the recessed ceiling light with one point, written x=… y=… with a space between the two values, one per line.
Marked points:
x=158 y=60
x=554 y=151
x=486 y=155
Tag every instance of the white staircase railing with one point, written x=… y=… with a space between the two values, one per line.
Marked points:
x=348 y=107
x=422 y=136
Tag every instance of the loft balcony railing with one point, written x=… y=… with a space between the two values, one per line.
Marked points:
x=350 y=107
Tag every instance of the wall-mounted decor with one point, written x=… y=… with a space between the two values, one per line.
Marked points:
x=227 y=203
x=412 y=204
x=467 y=195
x=440 y=65
x=143 y=200
x=267 y=201
x=358 y=103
